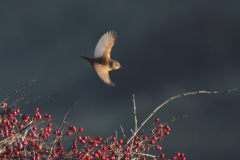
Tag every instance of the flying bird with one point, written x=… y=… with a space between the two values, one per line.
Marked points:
x=102 y=63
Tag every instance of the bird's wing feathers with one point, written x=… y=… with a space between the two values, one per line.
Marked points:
x=103 y=74
x=105 y=44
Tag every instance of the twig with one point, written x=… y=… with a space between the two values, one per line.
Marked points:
x=18 y=90
x=123 y=133
x=116 y=134
x=37 y=99
x=135 y=112
x=178 y=96
x=56 y=138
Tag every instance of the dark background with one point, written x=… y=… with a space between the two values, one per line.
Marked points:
x=166 y=47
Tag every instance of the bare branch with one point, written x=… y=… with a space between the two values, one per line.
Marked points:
x=178 y=96
x=135 y=112
x=18 y=90
x=56 y=138
x=123 y=133
x=37 y=99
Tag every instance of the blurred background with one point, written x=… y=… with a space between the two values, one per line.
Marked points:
x=166 y=47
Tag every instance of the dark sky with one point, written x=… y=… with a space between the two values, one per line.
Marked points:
x=166 y=47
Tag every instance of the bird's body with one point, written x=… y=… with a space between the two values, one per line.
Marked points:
x=102 y=62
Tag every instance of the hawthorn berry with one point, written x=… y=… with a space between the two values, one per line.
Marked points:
x=113 y=138
x=162 y=155
x=120 y=141
x=25 y=142
x=17 y=110
x=68 y=133
x=156 y=119
x=158 y=148
x=80 y=129
x=178 y=154
x=4 y=104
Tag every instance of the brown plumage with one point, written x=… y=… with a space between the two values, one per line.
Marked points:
x=102 y=62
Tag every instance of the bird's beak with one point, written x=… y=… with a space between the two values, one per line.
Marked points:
x=121 y=67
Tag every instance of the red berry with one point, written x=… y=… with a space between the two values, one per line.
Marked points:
x=25 y=142
x=120 y=141
x=39 y=147
x=178 y=154
x=17 y=153
x=160 y=135
x=4 y=104
x=85 y=138
x=4 y=155
x=10 y=150
x=143 y=158
x=36 y=114
x=4 y=120
x=49 y=124
x=36 y=110
x=74 y=129
x=103 y=157
x=144 y=138
x=135 y=143
x=113 y=138
x=55 y=132
x=151 y=141
x=166 y=133
x=79 y=138
x=80 y=129
x=156 y=119
x=87 y=149
x=154 y=138
x=39 y=116
x=14 y=113
x=182 y=155
x=183 y=158
x=68 y=133
x=17 y=110
x=74 y=144
x=162 y=155
x=82 y=141
x=70 y=127
x=99 y=139
x=114 y=152
x=158 y=148
x=34 y=128
x=135 y=137
x=104 y=148
x=119 y=146
x=138 y=145
x=173 y=158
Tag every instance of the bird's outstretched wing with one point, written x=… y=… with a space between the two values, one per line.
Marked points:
x=103 y=74
x=105 y=44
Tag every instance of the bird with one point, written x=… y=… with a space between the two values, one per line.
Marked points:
x=102 y=63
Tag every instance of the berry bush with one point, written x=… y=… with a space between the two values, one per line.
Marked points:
x=22 y=138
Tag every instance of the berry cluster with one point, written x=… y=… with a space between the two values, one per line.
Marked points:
x=21 y=138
